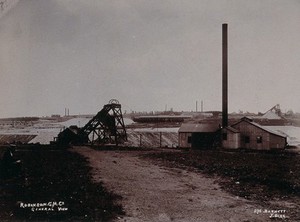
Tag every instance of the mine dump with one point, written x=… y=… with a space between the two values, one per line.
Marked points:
x=120 y=165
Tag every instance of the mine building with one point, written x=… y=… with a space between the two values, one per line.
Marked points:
x=198 y=135
x=247 y=134
x=160 y=119
x=68 y=135
x=244 y=134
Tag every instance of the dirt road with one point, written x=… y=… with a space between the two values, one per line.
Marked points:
x=155 y=193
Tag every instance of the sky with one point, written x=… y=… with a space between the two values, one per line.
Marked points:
x=149 y=55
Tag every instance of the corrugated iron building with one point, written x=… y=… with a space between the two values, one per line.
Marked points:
x=244 y=134
x=198 y=135
x=253 y=136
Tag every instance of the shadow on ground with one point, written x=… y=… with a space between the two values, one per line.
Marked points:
x=55 y=184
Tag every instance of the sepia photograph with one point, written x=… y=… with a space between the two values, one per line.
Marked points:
x=150 y=110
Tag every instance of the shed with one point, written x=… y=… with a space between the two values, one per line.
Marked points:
x=255 y=136
x=68 y=135
x=197 y=135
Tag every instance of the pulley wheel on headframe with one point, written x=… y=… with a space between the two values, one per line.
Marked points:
x=113 y=101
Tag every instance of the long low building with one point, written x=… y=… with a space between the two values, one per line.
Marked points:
x=250 y=135
x=160 y=118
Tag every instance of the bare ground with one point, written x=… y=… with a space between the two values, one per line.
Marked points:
x=159 y=193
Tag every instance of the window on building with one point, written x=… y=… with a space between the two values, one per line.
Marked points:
x=259 y=139
x=189 y=139
x=224 y=135
x=247 y=139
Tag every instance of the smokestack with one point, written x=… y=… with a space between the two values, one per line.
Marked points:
x=196 y=106
x=201 y=106
x=224 y=76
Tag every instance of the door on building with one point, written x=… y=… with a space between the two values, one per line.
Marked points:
x=203 y=140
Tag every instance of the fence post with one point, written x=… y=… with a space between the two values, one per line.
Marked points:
x=140 y=140
x=160 y=133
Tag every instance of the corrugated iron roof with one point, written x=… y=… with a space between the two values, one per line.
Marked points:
x=268 y=130
x=13 y=138
x=260 y=126
x=232 y=129
x=198 y=128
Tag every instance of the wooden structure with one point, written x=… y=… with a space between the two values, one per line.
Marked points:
x=106 y=127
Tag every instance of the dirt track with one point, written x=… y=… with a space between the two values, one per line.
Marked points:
x=155 y=193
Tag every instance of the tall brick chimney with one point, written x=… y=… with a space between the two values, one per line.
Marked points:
x=224 y=76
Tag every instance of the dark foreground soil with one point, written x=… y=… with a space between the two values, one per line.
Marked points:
x=55 y=184
x=261 y=177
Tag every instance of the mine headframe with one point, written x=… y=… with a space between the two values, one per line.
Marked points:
x=106 y=127
x=275 y=109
